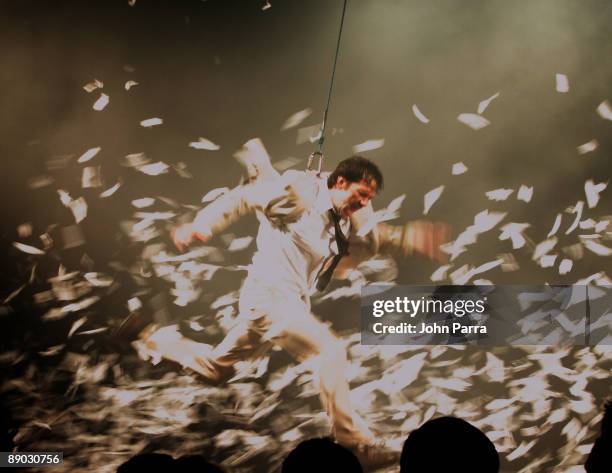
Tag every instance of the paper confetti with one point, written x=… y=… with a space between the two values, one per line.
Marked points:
x=525 y=193
x=588 y=147
x=417 y=113
x=144 y=202
x=149 y=122
x=129 y=84
x=597 y=248
x=499 y=194
x=562 y=83
x=297 y=118
x=565 y=266
x=544 y=247
x=459 y=168
x=101 y=103
x=154 y=169
x=475 y=122
x=592 y=192
x=79 y=209
x=577 y=209
x=89 y=154
x=368 y=146
x=555 y=226
x=203 y=143
x=91 y=86
x=547 y=261
x=440 y=273
x=431 y=197
x=482 y=106
x=91 y=177
x=110 y=191
x=604 y=110
x=513 y=231
x=76 y=325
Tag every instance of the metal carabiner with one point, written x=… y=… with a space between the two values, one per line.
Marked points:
x=317 y=154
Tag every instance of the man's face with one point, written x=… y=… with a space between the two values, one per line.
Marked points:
x=348 y=197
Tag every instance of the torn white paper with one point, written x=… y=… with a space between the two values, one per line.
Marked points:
x=89 y=154
x=297 y=118
x=431 y=197
x=604 y=110
x=555 y=226
x=129 y=84
x=588 y=147
x=597 y=248
x=482 y=106
x=544 y=247
x=203 y=143
x=592 y=192
x=499 y=194
x=474 y=121
x=459 y=168
x=417 y=113
x=110 y=191
x=91 y=86
x=101 y=103
x=142 y=203
x=525 y=193
x=149 y=122
x=513 y=231
x=565 y=266
x=562 y=83
x=154 y=169
x=368 y=145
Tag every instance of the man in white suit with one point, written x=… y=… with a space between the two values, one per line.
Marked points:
x=306 y=222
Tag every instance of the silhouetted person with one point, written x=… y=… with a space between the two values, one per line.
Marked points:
x=195 y=464
x=321 y=455
x=600 y=458
x=148 y=462
x=448 y=444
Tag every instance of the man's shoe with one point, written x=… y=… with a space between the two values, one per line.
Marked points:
x=375 y=456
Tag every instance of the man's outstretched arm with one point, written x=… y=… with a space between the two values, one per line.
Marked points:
x=282 y=200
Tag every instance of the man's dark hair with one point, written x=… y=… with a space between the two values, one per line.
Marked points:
x=355 y=169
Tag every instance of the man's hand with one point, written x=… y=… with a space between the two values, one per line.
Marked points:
x=184 y=234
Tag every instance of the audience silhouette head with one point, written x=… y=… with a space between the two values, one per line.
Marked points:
x=147 y=462
x=164 y=462
x=321 y=455
x=448 y=444
x=600 y=457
